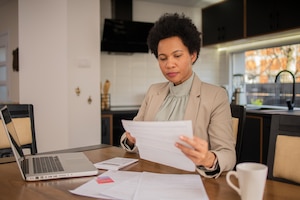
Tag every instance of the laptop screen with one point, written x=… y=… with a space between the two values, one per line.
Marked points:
x=8 y=124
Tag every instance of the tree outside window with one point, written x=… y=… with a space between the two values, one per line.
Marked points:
x=262 y=66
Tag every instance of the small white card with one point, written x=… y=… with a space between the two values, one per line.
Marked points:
x=115 y=163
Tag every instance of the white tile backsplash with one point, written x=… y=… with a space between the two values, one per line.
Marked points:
x=130 y=76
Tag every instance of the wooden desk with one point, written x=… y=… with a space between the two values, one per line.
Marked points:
x=13 y=187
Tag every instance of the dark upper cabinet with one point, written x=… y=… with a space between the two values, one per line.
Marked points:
x=238 y=19
x=223 y=22
x=269 y=16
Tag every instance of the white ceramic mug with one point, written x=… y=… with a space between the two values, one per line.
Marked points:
x=252 y=179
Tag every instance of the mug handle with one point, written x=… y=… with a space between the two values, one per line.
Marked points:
x=233 y=173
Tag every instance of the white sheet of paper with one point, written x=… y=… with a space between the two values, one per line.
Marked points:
x=123 y=186
x=170 y=186
x=156 y=141
x=115 y=163
x=129 y=185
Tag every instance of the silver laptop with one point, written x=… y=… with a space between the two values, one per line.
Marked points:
x=45 y=166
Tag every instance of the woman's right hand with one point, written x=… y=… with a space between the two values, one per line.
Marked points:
x=130 y=139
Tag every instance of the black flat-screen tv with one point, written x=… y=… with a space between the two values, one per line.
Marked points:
x=125 y=36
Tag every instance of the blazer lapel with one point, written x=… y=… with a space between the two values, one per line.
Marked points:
x=194 y=101
x=157 y=100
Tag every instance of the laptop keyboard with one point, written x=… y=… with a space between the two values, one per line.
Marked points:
x=47 y=164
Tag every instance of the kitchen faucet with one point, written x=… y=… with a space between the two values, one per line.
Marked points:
x=290 y=103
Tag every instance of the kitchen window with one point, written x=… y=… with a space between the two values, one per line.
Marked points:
x=261 y=66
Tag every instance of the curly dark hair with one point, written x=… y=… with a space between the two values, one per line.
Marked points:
x=169 y=25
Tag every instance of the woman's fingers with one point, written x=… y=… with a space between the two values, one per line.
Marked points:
x=196 y=149
x=130 y=138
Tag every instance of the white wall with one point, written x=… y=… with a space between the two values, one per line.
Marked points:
x=131 y=75
x=9 y=26
x=59 y=43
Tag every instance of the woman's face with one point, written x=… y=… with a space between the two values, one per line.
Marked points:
x=174 y=60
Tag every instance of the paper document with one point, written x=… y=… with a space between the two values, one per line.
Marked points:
x=115 y=163
x=111 y=184
x=156 y=141
x=170 y=186
x=128 y=185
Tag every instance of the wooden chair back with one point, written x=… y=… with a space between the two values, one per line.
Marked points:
x=284 y=149
x=23 y=119
x=238 y=113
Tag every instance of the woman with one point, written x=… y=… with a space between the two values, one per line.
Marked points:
x=175 y=42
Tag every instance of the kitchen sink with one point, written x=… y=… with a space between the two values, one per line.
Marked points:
x=250 y=107
x=272 y=109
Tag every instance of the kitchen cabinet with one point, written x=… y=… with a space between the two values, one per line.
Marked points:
x=255 y=140
x=112 y=129
x=118 y=129
x=223 y=22
x=269 y=16
x=241 y=19
x=107 y=129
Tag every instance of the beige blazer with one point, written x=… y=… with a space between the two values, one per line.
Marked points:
x=208 y=108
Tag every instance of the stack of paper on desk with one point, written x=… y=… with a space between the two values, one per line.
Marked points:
x=115 y=163
x=156 y=141
x=128 y=185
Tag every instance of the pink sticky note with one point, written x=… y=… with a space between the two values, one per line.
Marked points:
x=104 y=179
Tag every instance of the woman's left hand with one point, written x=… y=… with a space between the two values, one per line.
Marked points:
x=197 y=151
